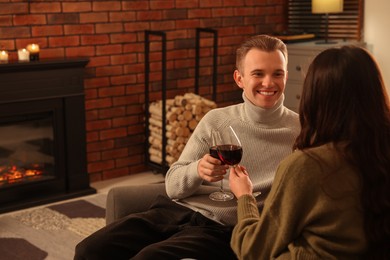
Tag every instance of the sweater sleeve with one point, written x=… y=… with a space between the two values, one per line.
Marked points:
x=182 y=179
x=301 y=219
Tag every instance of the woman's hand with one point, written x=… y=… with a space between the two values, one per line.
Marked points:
x=211 y=169
x=239 y=181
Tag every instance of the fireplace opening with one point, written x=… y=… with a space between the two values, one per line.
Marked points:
x=26 y=149
x=42 y=133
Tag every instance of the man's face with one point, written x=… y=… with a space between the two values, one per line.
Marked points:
x=263 y=77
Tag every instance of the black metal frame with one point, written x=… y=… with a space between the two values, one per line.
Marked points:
x=163 y=167
x=197 y=59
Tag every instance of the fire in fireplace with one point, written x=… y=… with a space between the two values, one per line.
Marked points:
x=42 y=133
x=26 y=150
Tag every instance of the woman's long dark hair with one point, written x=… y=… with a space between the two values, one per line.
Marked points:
x=344 y=100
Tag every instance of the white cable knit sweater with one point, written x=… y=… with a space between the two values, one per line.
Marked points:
x=266 y=135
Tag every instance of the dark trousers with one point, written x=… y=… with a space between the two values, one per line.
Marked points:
x=166 y=231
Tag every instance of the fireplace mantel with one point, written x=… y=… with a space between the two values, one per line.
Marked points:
x=54 y=88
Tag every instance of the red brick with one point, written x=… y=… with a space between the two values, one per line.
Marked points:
x=5 y=20
x=106 y=6
x=109 y=28
x=14 y=32
x=96 y=17
x=123 y=59
x=116 y=153
x=29 y=19
x=123 y=37
x=124 y=162
x=7 y=44
x=187 y=24
x=45 y=7
x=199 y=13
x=109 y=49
x=187 y=3
x=133 y=47
x=71 y=7
x=13 y=8
x=113 y=133
x=63 y=18
x=52 y=53
x=94 y=157
x=135 y=89
x=135 y=5
x=125 y=121
x=102 y=165
x=112 y=112
x=232 y=3
x=134 y=68
x=149 y=15
x=49 y=30
x=244 y=11
x=125 y=100
x=97 y=82
x=213 y=3
x=118 y=172
x=162 y=4
x=109 y=71
x=99 y=61
x=80 y=52
x=90 y=94
x=162 y=25
x=64 y=41
x=222 y=12
x=122 y=80
x=136 y=129
x=98 y=125
x=98 y=103
x=91 y=115
x=111 y=91
x=94 y=39
x=100 y=146
x=79 y=29
x=122 y=16
x=136 y=26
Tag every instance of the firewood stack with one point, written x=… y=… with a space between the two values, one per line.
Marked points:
x=183 y=114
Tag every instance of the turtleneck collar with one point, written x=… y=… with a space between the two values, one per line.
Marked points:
x=261 y=115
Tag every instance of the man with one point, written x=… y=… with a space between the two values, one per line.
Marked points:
x=189 y=224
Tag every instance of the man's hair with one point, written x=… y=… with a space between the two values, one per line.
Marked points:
x=261 y=42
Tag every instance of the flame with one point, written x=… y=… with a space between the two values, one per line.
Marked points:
x=12 y=174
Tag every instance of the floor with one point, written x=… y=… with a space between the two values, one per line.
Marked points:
x=134 y=179
x=104 y=186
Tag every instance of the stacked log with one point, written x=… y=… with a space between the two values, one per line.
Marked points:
x=183 y=114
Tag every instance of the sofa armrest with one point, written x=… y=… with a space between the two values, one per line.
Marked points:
x=123 y=200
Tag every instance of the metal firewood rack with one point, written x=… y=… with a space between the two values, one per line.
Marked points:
x=163 y=167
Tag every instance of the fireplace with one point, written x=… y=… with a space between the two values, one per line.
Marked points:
x=42 y=133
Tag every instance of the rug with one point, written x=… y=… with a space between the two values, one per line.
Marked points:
x=50 y=232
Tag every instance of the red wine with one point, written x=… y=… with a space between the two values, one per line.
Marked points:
x=214 y=152
x=230 y=154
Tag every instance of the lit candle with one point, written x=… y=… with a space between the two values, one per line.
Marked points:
x=34 y=51
x=23 y=55
x=3 y=56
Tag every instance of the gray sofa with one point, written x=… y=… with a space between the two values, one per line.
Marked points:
x=124 y=200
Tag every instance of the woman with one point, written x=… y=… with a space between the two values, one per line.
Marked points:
x=331 y=198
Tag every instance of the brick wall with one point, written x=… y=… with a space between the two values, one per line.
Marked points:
x=111 y=34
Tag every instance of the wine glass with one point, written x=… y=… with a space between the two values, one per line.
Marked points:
x=226 y=146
